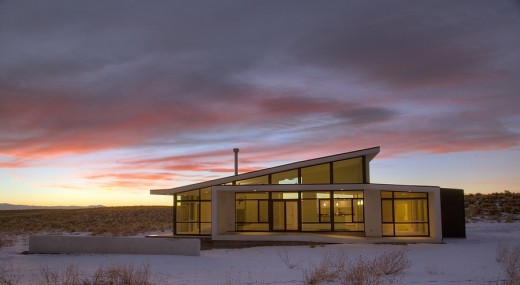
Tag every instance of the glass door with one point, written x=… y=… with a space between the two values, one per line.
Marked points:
x=278 y=215
x=291 y=215
x=285 y=215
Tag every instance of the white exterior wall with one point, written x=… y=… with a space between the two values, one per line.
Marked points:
x=222 y=212
x=434 y=207
x=372 y=208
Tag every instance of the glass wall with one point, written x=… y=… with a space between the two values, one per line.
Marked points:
x=318 y=174
x=314 y=213
x=193 y=212
x=286 y=177
x=349 y=211
x=252 y=211
x=308 y=211
x=337 y=172
x=404 y=213
x=348 y=171
x=254 y=181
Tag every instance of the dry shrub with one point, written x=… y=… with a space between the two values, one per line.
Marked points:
x=48 y=276
x=122 y=274
x=10 y=274
x=387 y=268
x=7 y=240
x=362 y=272
x=393 y=262
x=329 y=269
x=113 y=275
x=509 y=260
x=283 y=254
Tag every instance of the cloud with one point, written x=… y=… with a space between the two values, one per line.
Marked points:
x=220 y=161
x=83 y=77
x=133 y=176
x=12 y=164
x=130 y=180
x=424 y=45
x=367 y=115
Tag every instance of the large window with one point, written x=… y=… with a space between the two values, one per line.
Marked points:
x=316 y=211
x=252 y=211
x=348 y=171
x=349 y=211
x=254 y=181
x=404 y=213
x=193 y=212
x=308 y=211
x=286 y=177
x=338 y=172
x=318 y=174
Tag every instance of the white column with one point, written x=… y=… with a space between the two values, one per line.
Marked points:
x=372 y=204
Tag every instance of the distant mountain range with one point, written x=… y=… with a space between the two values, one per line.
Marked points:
x=9 y=207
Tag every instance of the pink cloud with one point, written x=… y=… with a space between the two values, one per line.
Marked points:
x=133 y=176
x=13 y=164
x=130 y=180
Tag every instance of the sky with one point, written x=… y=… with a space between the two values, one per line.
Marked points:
x=101 y=101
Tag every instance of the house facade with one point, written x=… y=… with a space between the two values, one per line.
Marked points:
x=327 y=199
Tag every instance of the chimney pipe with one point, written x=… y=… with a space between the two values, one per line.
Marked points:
x=235 y=150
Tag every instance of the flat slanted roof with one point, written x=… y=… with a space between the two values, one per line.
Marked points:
x=369 y=153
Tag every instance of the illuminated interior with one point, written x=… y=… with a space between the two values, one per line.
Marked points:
x=193 y=212
x=307 y=211
x=283 y=211
x=404 y=213
x=252 y=211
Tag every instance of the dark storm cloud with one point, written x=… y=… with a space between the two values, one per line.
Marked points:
x=84 y=76
x=416 y=45
x=189 y=42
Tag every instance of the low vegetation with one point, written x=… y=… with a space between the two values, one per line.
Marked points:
x=115 y=274
x=508 y=257
x=386 y=268
x=113 y=221
x=7 y=239
x=330 y=269
x=500 y=207
x=10 y=274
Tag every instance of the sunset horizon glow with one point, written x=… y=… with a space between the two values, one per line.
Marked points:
x=102 y=101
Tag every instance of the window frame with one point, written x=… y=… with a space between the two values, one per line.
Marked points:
x=393 y=223
x=199 y=223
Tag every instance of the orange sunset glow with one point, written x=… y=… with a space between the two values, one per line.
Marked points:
x=102 y=101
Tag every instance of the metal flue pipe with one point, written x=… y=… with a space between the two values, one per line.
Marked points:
x=235 y=150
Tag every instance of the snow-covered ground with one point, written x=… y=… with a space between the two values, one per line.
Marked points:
x=457 y=261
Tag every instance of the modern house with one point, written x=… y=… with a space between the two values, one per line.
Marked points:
x=326 y=199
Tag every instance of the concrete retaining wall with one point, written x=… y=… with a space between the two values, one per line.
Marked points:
x=118 y=245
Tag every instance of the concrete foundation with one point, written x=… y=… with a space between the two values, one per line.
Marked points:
x=117 y=245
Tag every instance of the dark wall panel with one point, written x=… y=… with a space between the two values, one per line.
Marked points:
x=452 y=213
